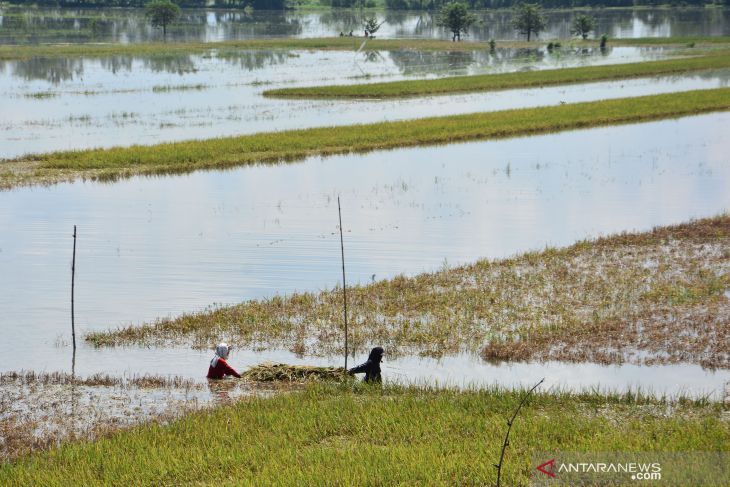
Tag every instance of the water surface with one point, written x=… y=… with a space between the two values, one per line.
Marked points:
x=179 y=244
x=66 y=104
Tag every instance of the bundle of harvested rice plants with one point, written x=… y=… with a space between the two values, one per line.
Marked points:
x=271 y=372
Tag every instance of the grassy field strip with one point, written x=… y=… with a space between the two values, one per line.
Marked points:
x=169 y=48
x=333 y=435
x=596 y=301
x=15 y=52
x=504 y=81
x=178 y=157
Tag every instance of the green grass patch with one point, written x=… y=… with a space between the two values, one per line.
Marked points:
x=337 y=435
x=178 y=157
x=41 y=95
x=493 y=82
x=168 y=88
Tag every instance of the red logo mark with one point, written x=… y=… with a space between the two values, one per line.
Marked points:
x=547 y=468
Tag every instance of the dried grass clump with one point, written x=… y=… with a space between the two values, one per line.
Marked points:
x=271 y=372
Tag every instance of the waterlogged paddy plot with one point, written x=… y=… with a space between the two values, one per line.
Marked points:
x=38 y=410
x=75 y=103
x=182 y=243
x=19 y=25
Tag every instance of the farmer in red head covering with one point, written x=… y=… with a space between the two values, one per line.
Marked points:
x=219 y=368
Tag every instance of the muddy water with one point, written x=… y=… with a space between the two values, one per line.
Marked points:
x=179 y=244
x=59 y=104
x=19 y=25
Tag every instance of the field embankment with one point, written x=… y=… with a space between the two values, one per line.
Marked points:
x=292 y=145
x=505 y=81
x=90 y=50
x=334 y=435
x=647 y=298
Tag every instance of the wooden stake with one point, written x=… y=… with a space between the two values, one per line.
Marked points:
x=73 y=278
x=344 y=283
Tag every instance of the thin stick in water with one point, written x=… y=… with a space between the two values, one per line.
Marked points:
x=73 y=278
x=344 y=282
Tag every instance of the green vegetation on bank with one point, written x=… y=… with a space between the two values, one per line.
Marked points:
x=178 y=157
x=595 y=301
x=168 y=48
x=493 y=82
x=10 y=52
x=336 y=435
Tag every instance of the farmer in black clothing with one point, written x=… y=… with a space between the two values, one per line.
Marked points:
x=371 y=368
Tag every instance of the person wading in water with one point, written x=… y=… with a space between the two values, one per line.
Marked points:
x=219 y=368
x=371 y=368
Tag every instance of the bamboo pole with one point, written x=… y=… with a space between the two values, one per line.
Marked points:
x=344 y=282
x=73 y=278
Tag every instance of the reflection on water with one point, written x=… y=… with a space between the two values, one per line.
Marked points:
x=18 y=25
x=74 y=104
x=179 y=244
x=53 y=70
x=344 y=65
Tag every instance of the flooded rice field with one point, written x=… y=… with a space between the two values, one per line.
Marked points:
x=39 y=410
x=76 y=103
x=183 y=243
x=39 y=25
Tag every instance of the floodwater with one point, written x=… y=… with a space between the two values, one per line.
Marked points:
x=76 y=103
x=461 y=371
x=38 y=25
x=156 y=247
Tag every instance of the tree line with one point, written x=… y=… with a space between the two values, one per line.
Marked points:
x=390 y=4
x=548 y=4
x=256 y=4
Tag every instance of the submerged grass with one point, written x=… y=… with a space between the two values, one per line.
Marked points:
x=29 y=377
x=291 y=145
x=494 y=82
x=40 y=410
x=339 y=435
x=645 y=298
x=14 y=52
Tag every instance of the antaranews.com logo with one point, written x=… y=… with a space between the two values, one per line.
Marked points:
x=637 y=471
x=631 y=468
